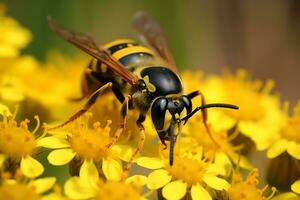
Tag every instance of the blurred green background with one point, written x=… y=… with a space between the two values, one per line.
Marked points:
x=261 y=36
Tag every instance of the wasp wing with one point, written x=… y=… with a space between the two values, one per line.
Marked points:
x=155 y=37
x=88 y=45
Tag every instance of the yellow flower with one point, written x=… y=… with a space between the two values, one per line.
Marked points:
x=288 y=138
x=247 y=190
x=189 y=174
x=259 y=115
x=86 y=145
x=18 y=145
x=220 y=151
x=88 y=185
x=13 y=36
x=29 y=190
x=64 y=74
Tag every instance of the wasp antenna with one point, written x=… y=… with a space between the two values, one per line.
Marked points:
x=212 y=105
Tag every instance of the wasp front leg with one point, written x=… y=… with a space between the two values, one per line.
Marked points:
x=124 y=113
x=91 y=101
x=141 y=127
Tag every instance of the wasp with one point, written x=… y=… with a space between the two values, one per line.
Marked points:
x=145 y=78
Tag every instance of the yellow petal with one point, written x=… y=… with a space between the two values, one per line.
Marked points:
x=150 y=162
x=31 y=167
x=138 y=180
x=223 y=163
x=296 y=187
x=88 y=173
x=4 y=108
x=61 y=156
x=112 y=169
x=52 y=143
x=43 y=184
x=174 y=190
x=219 y=121
x=76 y=189
x=12 y=94
x=54 y=196
x=286 y=196
x=277 y=148
x=294 y=149
x=199 y=193
x=59 y=133
x=124 y=152
x=2 y=159
x=157 y=179
x=215 y=182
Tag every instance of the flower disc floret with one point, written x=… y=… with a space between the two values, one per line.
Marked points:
x=247 y=189
x=117 y=190
x=18 y=192
x=187 y=170
x=89 y=144
x=16 y=142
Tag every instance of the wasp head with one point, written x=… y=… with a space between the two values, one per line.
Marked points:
x=165 y=113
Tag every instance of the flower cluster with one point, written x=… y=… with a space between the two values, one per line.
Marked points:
x=210 y=160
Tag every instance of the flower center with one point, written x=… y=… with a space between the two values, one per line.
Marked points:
x=244 y=191
x=248 y=190
x=91 y=143
x=16 y=142
x=117 y=190
x=18 y=192
x=188 y=170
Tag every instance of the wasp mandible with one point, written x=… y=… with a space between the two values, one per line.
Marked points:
x=141 y=77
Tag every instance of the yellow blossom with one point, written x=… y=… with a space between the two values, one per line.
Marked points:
x=31 y=190
x=247 y=189
x=17 y=143
x=88 y=185
x=189 y=174
x=87 y=145
x=288 y=138
x=13 y=36
x=219 y=149
x=259 y=115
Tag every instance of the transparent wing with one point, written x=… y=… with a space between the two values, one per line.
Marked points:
x=88 y=45
x=155 y=37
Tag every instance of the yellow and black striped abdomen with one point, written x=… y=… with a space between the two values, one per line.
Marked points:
x=127 y=52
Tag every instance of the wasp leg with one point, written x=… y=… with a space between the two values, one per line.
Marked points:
x=141 y=142
x=204 y=114
x=124 y=112
x=91 y=101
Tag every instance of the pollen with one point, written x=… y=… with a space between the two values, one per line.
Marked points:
x=248 y=190
x=187 y=170
x=117 y=190
x=18 y=192
x=292 y=128
x=91 y=143
x=16 y=141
